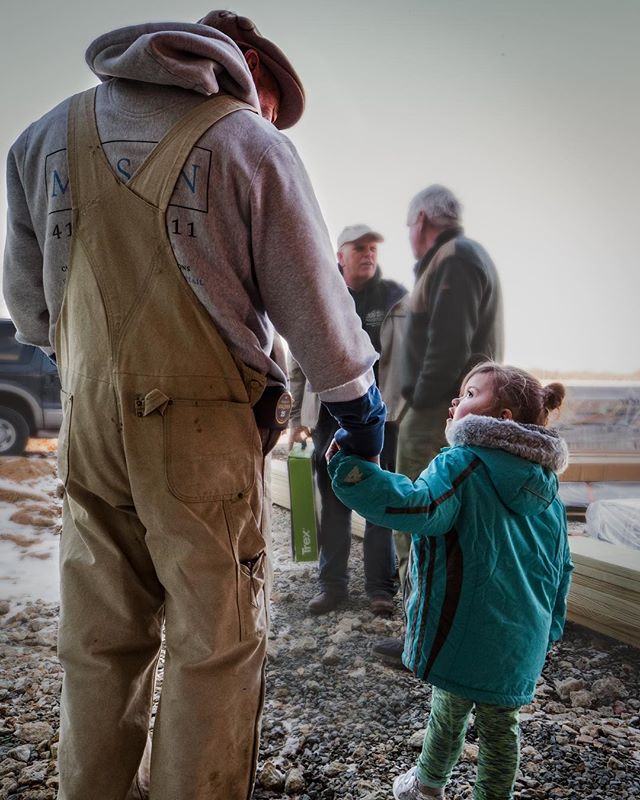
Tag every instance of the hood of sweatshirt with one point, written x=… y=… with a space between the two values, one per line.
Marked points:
x=187 y=55
x=523 y=461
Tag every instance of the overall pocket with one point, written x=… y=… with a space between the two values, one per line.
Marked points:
x=211 y=448
x=63 y=437
x=250 y=554
x=251 y=597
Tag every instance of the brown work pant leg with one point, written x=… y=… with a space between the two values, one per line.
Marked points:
x=109 y=641
x=205 y=738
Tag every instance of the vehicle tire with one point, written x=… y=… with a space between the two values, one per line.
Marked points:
x=14 y=432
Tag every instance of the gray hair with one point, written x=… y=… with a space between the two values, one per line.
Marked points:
x=439 y=204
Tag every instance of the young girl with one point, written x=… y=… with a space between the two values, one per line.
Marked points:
x=490 y=569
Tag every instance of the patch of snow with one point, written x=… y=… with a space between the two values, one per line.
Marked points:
x=29 y=530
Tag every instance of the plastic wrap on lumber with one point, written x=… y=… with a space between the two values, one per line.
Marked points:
x=615 y=521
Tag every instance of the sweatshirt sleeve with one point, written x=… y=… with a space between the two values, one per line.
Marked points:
x=452 y=324
x=301 y=287
x=22 y=280
x=560 y=608
x=307 y=299
x=428 y=507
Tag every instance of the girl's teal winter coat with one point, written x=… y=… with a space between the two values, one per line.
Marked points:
x=490 y=562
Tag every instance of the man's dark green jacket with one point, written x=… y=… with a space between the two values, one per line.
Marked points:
x=455 y=319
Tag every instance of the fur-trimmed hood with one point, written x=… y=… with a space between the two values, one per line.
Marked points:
x=522 y=460
x=533 y=442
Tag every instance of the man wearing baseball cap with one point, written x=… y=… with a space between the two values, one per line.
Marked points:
x=378 y=304
x=159 y=231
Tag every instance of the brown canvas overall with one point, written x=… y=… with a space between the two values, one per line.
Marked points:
x=163 y=469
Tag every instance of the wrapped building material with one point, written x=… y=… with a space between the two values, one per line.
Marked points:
x=579 y=494
x=601 y=417
x=615 y=521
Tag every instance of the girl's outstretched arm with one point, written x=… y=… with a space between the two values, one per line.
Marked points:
x=428 y=506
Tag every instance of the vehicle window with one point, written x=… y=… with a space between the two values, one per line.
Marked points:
x=12 y=352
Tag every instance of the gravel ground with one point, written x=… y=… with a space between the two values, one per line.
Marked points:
x=337 y=723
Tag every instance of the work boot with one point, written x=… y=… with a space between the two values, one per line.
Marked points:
x=389 y=651
x=408 y=787
x=324 y=602
x=382 y=605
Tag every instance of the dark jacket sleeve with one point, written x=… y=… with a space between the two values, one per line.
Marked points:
x=455 y=299
x=361 y=423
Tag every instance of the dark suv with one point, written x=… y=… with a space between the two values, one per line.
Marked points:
x=29 y=393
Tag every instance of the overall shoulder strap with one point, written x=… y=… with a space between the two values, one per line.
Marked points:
x=156 y=178
x=86 y=159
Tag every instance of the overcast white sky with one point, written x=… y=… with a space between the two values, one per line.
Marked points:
x=527 y=109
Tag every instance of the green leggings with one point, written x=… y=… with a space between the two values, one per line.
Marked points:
x=499 y=736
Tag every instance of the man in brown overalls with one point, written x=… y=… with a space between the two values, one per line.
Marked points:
x=156 y=289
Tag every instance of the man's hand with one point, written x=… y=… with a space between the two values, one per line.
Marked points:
x=334 y=447
x=298 y=434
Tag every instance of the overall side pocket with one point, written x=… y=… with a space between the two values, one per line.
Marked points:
x=63 y=437
x=250 y=554
x=251 y=597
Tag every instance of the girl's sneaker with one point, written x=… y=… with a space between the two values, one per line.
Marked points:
x=408 y=787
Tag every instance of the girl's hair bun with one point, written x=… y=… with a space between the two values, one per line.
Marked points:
x=553 y=395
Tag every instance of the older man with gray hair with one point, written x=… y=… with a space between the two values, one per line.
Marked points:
x=455 y=321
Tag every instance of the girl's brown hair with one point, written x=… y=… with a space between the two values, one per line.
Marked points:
x=528 y=400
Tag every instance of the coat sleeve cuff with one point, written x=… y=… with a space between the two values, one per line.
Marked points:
x=361 y=423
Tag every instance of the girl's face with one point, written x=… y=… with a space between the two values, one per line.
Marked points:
x=476 y=397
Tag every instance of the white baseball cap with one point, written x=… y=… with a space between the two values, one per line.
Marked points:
x=354 y=232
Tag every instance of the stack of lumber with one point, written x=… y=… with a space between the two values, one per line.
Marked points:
x=605 y=589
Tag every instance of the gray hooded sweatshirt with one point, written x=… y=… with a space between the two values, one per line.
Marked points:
x=243 y=222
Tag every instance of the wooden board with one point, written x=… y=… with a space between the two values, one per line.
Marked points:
x=597 y=573
x=610 y=558
x=588 y=620
x=622 y=611
x=280 y=484
x=596 y=467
